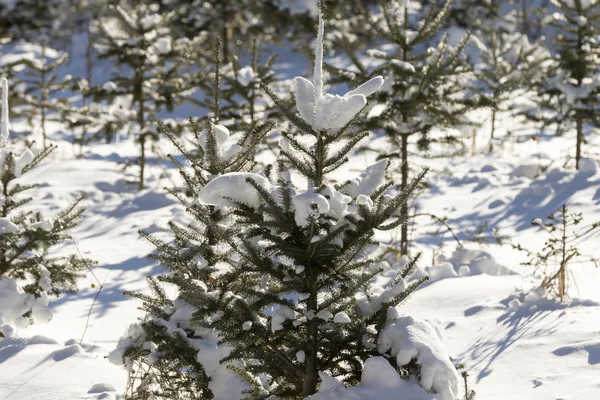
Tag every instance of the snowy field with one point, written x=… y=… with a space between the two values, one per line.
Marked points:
x=515 y=343
x=511 y=350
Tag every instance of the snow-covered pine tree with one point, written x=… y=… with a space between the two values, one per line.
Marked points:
x=27 y=19
x=241 y=102
x=28 y=273
x=569 y=97
x=509 y=64
x=40 y=96
x=234 y=21
x=426 y=79
x=274 y=277
x=156 y=67
x=166 y=342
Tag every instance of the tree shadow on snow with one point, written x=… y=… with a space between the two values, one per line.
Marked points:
x=513 y=326
x=10 y=347
x=118 y=280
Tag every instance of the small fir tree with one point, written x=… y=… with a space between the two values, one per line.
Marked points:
x=28 y=273
x=156 y=67
x=509 y=64
x=274 y=277
x=43 y=87
x=569 y=97
x=426 y=79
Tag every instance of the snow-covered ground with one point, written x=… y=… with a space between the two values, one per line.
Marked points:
x=514 y=344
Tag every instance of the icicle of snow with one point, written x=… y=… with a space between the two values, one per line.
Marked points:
x=407 y=338
x=5 y=123
x=233 y=186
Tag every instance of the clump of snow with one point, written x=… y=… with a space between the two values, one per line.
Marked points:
x=163 y=45
x=478 y=261
x=308 y=204
x=16 y=303
x=326 y=112
x=245 y=76
x=379 y=381
x=225 y=146
x=282 y=314
x=341 y=318
x=233 y=186
x=407 y=338
x=378 y=372
x=329 y=383
x=371 y=179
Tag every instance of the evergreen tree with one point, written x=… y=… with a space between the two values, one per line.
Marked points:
x=509 y=64
x=28 y=273
x=42 y=85
x=155 y=66
x=426 y=79
x=569 y=97
x=274 y=279
x=241 y=102
x=234 y=21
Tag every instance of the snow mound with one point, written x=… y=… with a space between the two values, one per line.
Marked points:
x=408 y=338
x=16 y=303
x=530 y=171
x=379 y=381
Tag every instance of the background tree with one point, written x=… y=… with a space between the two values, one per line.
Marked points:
x=156 y=66
x=508 y=67
x=426 y=79
x=29 y=274
x=569 y=97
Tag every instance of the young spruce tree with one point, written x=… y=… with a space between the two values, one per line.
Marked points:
x=509 y=64
x=276 y=270
x=425 y=79
x=570 y=96
x=156 y=69
x=28 y=274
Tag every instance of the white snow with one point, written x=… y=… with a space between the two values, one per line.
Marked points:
x=326 y=112
x=407 y=338
x=233 y=186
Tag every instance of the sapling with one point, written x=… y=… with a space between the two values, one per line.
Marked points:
x=564 y=232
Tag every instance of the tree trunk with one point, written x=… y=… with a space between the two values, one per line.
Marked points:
x=310 y=370
x=493 y=130
x=404 y=207
x=579 y=142
x=141 y=122
x=43 y=94
x=525 y=26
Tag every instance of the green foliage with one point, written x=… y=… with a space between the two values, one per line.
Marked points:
x=157 y=69
x=569 y=98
